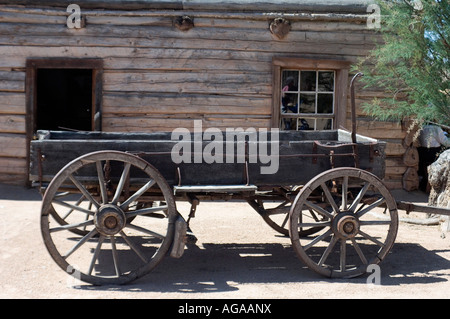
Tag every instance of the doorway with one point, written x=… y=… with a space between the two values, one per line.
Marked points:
x=64 y=99
x=63 y=94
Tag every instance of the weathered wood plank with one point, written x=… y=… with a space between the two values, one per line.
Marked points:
x=152 y=123
x=294 y=45
x=10 y=165
x=12 y=81
x=14 y=179
x=140 y=18
x=13 y=145
x=189 y=82
x=12 y=123
x=12 y=103
x=145 y=103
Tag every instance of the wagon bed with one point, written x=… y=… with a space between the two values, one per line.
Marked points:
x=313 y=151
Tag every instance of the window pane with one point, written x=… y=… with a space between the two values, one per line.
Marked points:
x=307 y=103
x=289 y=124
x=305 y=124
x=289 y=81
x=289 y=103
x=326 y=81
x=308 y=81
x=324 y=103
x=324 y=124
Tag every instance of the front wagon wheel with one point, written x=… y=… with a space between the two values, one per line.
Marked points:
x=359 y=230
x=107 y=236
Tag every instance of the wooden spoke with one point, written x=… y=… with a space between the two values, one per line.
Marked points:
x=115 y=255
x=136 y=195
x=343 y=254
x=367 y=236
x=122 y=181
x=329 y=198
x=137 y=245
x=359 y=197
x=319 y=210
x=371 y=239
x=84 y=191
x=80 y=243
x=73 y=207
x=96 y=253
x=146 y=231
x=359 y=251
x=72 y=226
x=327 y=251
x=78 y=202
x=345 y=193
x=318 y=239
x=370 y=207
x=133 y=247
x=146 y=210
x=101 y=182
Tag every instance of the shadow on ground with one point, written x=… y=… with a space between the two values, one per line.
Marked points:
x=224 y=267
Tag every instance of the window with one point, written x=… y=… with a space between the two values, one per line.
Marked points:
x=307 y=99
x=309 y=94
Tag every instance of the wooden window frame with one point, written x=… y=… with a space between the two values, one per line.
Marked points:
x=341 y=68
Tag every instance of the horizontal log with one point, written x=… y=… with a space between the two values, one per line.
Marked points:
x=393 y=184
x=12 y=123
x=14 y=179
x=242 y=10
x=12 y=103
x=292 y=46
x=13 y=145
x=9 y=165
x=395 y=170
x=113 y=123
x=134 y=52
x=395 y=148
x=189 y=82
x=135 y=103
x=141 y=18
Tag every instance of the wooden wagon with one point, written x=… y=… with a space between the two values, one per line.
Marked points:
x=109 y=212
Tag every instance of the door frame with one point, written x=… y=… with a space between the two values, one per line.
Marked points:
x=32 y=66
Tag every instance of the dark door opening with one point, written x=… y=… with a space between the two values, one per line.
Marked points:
x=64 y=99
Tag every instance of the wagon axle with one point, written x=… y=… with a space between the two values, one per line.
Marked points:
x=345 y=225
x=109 y=220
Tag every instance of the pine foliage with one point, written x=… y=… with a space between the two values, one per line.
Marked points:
x=412 y=64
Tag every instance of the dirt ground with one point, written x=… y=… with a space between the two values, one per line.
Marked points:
x=237 y=256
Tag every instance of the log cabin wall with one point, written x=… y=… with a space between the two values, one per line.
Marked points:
x=157 y=77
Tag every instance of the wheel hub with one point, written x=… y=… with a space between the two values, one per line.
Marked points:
x=109 y=220
x=346 y=225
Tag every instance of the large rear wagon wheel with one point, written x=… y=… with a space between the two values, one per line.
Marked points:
x=353 y=235
x=107 y=237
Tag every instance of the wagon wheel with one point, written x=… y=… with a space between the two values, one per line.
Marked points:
x=352 y=237
x=119 y=240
